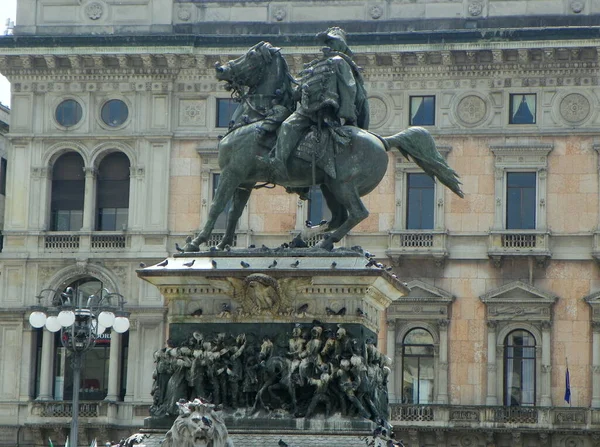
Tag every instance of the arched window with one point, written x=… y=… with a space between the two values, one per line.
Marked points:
x=417 y=370
x=68 y=189
x=519 y=369
x=112 y=193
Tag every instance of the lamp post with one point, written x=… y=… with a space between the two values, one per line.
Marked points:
x=80 y=324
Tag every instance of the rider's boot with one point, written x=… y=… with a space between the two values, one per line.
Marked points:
x=274 y=166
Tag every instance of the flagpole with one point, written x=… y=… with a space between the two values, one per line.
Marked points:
x=568 y=383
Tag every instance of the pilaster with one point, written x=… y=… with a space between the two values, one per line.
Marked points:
x=492 y=368
x=595 y=364
x=546 y=400
x=390 y=352
x=442 y=395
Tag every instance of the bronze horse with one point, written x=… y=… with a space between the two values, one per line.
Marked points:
x=261 y=77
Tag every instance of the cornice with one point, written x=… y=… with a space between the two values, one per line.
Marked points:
x=483 y=58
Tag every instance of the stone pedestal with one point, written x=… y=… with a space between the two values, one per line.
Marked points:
x=248 y=307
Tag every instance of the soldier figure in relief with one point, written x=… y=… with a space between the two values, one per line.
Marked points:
x=331 y=93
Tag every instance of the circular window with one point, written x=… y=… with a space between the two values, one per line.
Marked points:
x=114 y=112
x=68 y=113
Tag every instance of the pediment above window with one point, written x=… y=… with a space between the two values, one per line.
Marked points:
x=425 y=302
x=519 y=301
x=593 y=300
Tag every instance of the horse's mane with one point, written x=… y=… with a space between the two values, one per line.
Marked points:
x=288 y=82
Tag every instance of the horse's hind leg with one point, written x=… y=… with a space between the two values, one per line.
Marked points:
x=338 y=212
x=228 y=182
x=348 y=197
x=240 y=199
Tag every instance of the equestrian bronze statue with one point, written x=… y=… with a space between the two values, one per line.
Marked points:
x=310 y=131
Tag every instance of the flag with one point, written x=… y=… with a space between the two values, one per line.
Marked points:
x=50 y=443
x=94 y=443
x=567 y=387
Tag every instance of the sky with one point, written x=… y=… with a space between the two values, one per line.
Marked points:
x=8 y=10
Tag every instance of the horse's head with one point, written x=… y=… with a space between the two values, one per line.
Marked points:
x=248 y=70
x=266 y=349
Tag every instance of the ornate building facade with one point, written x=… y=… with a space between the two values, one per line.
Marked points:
x=111 y=158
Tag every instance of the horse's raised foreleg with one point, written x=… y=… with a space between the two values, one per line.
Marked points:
x=228 y=182
x=240 y=199
x=348 y=197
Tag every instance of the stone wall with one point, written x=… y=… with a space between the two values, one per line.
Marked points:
x=159 y=16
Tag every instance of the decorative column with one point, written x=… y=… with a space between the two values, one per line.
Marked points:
x=89 y=200
x=491 y=398
x=546 y=400
x=390 y=351
x=596 y=364
x=442 y=395
x=113 y=367
x=46 y=366
x=132 y=360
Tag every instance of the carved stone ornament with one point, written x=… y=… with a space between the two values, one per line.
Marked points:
x=94 y=10
x=375 y=12
x=577 y=6
x=574 y=108
x=378 y=111
x=279 y=14
x=475 y=8
x=471 y=110
x=184 y=14
x=192 y=112
x=468 y=441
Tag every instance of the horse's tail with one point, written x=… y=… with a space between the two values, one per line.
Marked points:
x=418 y=143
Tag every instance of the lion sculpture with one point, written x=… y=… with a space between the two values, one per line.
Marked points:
x=198 y=425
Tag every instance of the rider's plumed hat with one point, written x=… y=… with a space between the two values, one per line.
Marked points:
x=336 y=34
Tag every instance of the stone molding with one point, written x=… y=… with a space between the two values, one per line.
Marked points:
x=518 y=301
x=424 y=302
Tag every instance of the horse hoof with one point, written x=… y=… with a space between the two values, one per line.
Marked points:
x=325 y=244
x=190 y=247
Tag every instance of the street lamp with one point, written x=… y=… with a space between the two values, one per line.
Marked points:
x=80 y=324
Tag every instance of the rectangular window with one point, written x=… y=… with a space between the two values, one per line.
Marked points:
x=520 y=200
x=522 y=109
x=422 y=110
x=221 y=223
x=112 y=219
x=317 y=207
x=420 y=198
x=226 y=107
x=66 y=220
x=3 y=176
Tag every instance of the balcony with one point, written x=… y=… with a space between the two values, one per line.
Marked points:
x=92 y=412
x=75 y=241
x=418 y=244
x=499 y=418
x=533 y=243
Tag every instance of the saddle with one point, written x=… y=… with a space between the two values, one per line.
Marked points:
x=322 y=146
